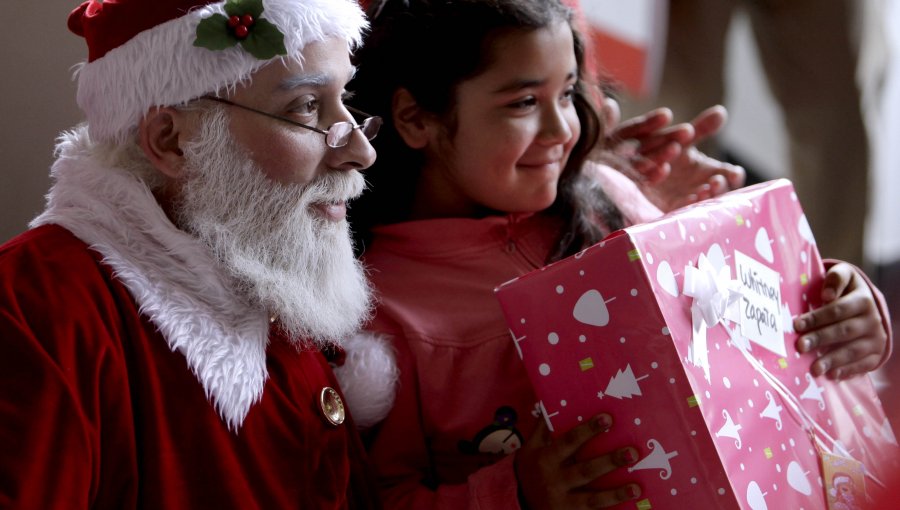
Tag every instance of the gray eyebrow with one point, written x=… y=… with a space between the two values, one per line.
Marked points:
x=304 y=80
x=310 y=80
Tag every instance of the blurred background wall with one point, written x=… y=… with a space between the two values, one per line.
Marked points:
x=38 y=101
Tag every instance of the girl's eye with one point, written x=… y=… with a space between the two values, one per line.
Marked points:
x=528 y=102
x=306 y=105
x=568 y=95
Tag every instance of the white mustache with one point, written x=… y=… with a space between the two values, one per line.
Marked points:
x=334 y=187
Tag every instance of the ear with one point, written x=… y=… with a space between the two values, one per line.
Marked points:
x=412 y=122
x=159 y=134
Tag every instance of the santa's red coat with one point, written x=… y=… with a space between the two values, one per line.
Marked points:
x=96 y=410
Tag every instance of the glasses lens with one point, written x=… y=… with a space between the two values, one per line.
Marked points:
x=339 y=134
x=371 y=126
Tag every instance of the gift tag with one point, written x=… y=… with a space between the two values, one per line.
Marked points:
x=845 y=481
x=760 y=303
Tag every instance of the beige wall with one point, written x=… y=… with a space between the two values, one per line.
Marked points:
x=38 y=101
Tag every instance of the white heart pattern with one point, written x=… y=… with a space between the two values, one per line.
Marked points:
x=764 y=245
x=797 y=479
x=666 y=278
x=805 y=230
x=591 y=309
x=755 y=497
x=716 y=256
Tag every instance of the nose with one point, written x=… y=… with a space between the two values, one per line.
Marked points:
x=358 y=154
x=555 y=128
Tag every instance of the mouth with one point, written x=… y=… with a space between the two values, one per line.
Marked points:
x=332 y=211
x=545 y=166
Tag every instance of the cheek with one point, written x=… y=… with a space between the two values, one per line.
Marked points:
x=284 y=157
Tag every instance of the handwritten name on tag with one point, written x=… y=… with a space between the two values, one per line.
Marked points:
x=760 y=307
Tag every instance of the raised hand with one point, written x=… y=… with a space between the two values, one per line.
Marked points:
x=669 y=169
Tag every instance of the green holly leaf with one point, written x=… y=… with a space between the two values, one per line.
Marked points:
x=265 y=40
x=213 y=33
x=241 y=7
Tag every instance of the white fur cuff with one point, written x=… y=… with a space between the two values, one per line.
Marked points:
x=368 y=378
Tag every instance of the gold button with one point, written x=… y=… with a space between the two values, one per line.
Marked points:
x=332 y=406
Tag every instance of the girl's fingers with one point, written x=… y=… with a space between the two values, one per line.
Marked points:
x=858 y=302
x=853 y=329
x=837 y=279
x=662 y=153
x=604 y=499
x=611 y=112
x=680 y=134
x=709 y=122
x=641 y=126
x=846 y=362
x=584 y=472
x=573 y=440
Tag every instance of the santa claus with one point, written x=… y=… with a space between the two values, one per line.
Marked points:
x=170 y=322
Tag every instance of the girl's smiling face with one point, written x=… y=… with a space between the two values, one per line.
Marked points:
x=514 y=127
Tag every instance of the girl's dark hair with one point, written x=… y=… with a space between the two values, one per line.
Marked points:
x=428 y=47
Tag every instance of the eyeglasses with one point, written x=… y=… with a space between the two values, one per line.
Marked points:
x=338 y=135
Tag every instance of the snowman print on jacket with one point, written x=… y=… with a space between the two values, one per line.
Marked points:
x=500 y=437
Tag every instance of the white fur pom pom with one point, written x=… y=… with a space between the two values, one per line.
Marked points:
x=368 y=378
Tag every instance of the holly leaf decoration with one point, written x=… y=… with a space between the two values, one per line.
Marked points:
x=213 y=33
x=265 y=40
x=241 y=7
x=260 y=38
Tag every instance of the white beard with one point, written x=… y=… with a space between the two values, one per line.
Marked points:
x=283 y=257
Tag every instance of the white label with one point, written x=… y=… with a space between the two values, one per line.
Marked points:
x=760 y=303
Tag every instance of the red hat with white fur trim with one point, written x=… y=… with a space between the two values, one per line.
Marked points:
x=146 y=53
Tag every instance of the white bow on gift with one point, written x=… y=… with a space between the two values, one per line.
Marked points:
x=716 y=298
x=715 y=293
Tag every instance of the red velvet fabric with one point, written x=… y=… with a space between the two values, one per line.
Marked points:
x=108 y=24
x=97 y=412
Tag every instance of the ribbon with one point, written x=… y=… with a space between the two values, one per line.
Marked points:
x=716 y=299
x=806 y=421
x=715 y=293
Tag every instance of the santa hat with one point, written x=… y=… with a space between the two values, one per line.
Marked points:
x=145 y=53
x=840 y=479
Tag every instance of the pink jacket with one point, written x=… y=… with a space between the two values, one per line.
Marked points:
x=464 y=400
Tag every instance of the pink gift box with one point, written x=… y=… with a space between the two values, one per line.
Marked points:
x=680 y=329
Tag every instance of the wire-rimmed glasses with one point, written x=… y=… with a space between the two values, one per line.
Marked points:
x=337 y=135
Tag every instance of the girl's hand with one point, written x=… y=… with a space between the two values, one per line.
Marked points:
x=847 y=330
x=648 y=142
x=671 y=171
x=550 y=477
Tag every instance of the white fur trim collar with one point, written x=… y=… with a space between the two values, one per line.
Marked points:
x=171 y=276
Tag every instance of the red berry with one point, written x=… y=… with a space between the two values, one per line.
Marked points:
x=234 y=21
x=246 y=20
x=241 y=31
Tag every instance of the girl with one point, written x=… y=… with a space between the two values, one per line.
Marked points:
x=482 y=176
